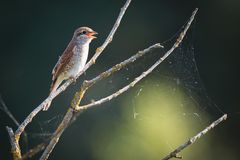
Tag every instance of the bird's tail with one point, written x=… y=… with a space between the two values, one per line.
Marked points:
x=55 y=84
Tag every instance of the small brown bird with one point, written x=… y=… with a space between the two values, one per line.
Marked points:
x=73 y=58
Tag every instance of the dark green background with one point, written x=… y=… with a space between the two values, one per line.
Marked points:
x=34 y=33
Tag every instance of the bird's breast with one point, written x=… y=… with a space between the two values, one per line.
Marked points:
x=78 y=60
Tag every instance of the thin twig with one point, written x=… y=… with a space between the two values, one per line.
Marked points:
x=144 y=74
x=99 y=50
x=5 y=109
x=15 y=149
x=174 y=153
x=71 y=111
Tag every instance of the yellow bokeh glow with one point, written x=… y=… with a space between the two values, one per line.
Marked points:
x=163 y=119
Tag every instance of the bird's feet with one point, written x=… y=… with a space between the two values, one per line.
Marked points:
x=46 y=106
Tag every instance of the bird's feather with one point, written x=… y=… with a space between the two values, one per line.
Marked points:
x=63 y=60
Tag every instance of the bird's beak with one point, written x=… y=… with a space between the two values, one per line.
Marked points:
x=90 y=34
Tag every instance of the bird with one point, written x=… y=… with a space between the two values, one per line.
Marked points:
x=73 y=59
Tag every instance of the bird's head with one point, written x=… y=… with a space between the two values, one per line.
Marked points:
x=84 y=35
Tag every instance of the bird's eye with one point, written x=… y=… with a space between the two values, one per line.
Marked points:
x=81 y=33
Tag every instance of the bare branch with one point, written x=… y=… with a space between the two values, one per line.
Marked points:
x=105 y=74
x=71 y=111
x=5 y=109
x=174 y=153
x=144 y=74
x=88 y=83
x=110 y=36
x=122 y=64
x=68 y=82
x=29 y=118
x=66 y=120
x=78 y=96
x=69 y=115
x=15 y=149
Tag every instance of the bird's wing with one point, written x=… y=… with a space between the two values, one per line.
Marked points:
x=63 y=60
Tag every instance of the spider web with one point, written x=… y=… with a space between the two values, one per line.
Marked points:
x=44 y=129
x=180 y=71
x=167 y=107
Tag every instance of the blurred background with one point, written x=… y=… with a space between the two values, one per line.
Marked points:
x=198 y=83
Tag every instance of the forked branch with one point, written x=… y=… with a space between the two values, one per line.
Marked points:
x=71 y=115
x=79 y=95
x=88 y=83
x=99 y=50
x=67 y=120
x=144 y=74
